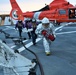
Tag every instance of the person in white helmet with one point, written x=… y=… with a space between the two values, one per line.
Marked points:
x=46 y=30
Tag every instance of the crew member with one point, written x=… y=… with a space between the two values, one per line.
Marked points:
x=46 y=30
x=19 y=25
x=28 y=25
x=33 y=34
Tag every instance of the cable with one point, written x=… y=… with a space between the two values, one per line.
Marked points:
x=41 y=68
x=37 y=59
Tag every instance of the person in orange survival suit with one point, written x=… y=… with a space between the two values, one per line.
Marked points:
x=46 y=30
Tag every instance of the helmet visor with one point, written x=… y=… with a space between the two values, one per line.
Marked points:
x=46 y=25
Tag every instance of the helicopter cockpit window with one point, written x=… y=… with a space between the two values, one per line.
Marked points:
x=61 y=12
x=72 y=13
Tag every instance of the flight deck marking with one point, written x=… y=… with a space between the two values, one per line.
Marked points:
x=10 y=27
x=61 y=26
x=28 y=45
x=66 y=32
x=15 y=45
x=6 y=29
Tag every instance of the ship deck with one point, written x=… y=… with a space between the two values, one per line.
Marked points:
x=62 y=60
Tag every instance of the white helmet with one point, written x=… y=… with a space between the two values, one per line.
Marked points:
x=45 y=20
x=33 y=20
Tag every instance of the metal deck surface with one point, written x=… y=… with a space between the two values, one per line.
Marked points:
x=62 y=60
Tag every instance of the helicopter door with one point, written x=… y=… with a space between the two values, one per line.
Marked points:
x=72 y=13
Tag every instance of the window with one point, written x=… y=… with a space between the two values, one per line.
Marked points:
x=61 y=12
x=72 y=13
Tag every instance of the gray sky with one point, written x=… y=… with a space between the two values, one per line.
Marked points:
x=27 y=5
